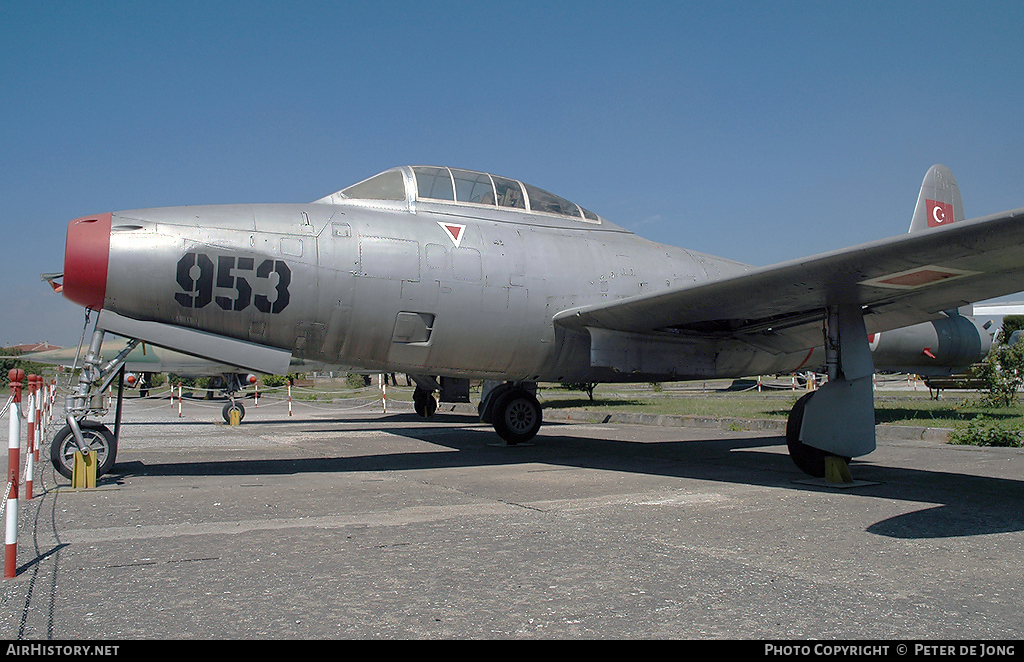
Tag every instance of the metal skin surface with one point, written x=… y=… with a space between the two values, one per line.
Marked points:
x=384 y=276
x=357 y=270
x=353 y=270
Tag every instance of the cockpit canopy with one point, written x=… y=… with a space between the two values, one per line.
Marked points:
x=440 y=184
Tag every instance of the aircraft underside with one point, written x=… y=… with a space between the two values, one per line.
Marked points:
x=511 y=407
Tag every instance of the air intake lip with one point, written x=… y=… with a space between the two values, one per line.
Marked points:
x=86 y=255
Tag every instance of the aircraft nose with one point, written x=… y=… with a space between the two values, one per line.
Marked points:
x=86 y=254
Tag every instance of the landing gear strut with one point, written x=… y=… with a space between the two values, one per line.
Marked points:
x=837 y=420
x=81 y=434
x=232 y=385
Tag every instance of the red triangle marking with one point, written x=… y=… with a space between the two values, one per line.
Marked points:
x=453 y=230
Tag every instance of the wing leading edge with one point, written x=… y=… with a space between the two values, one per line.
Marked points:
x=897 y=282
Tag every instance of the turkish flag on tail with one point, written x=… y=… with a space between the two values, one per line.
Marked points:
x=939 y=213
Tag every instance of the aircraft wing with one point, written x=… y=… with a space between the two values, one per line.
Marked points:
x=898 y=282
x=151 y=358
x=145 y=358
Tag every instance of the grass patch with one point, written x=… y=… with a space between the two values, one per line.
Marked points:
x=984 y=431
x=925 y=411
x=734 y=406
x=891 y=408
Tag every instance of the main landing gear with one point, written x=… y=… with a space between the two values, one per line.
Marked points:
x=836 y=422
x=825 y=428
x=807 y=458
x=423 y=402
x=510 y=407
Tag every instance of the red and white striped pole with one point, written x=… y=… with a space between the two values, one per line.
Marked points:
x=13 y=458
x=51 y=395
x=33 y=443
x=40 y=408
x=30 y=468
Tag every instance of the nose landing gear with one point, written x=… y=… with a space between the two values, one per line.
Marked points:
x=81 y=434
x=97 y=437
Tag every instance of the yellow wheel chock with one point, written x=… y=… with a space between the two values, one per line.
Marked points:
x=83 y=474
x=836 y=470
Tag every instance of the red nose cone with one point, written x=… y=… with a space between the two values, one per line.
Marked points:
x=85 y=260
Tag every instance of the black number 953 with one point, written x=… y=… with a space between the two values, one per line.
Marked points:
x=197 y=276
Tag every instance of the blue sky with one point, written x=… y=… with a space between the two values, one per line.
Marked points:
x=760 y=131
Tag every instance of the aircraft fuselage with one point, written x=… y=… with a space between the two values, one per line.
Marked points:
x=395 y=290
x=470 y=294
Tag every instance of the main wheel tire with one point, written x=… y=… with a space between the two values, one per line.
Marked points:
x=424 y=403
x=516 y=416
x=486 y=406
x=229 y=407
x=98 y=438
x=808 y=459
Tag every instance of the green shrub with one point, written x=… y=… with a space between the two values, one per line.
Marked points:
x=1003 y=372
x=983 y=431
x=274 y=380
x=356 y=380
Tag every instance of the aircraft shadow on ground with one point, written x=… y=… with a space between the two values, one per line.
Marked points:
x=966 y=505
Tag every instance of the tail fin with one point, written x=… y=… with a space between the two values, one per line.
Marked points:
x=939 y=202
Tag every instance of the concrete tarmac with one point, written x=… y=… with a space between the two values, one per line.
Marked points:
x=344 y=522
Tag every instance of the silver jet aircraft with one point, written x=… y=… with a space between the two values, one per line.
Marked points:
x=451 y=275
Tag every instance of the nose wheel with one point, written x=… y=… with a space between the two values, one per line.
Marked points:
x=98 y=439
x=230 y=407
